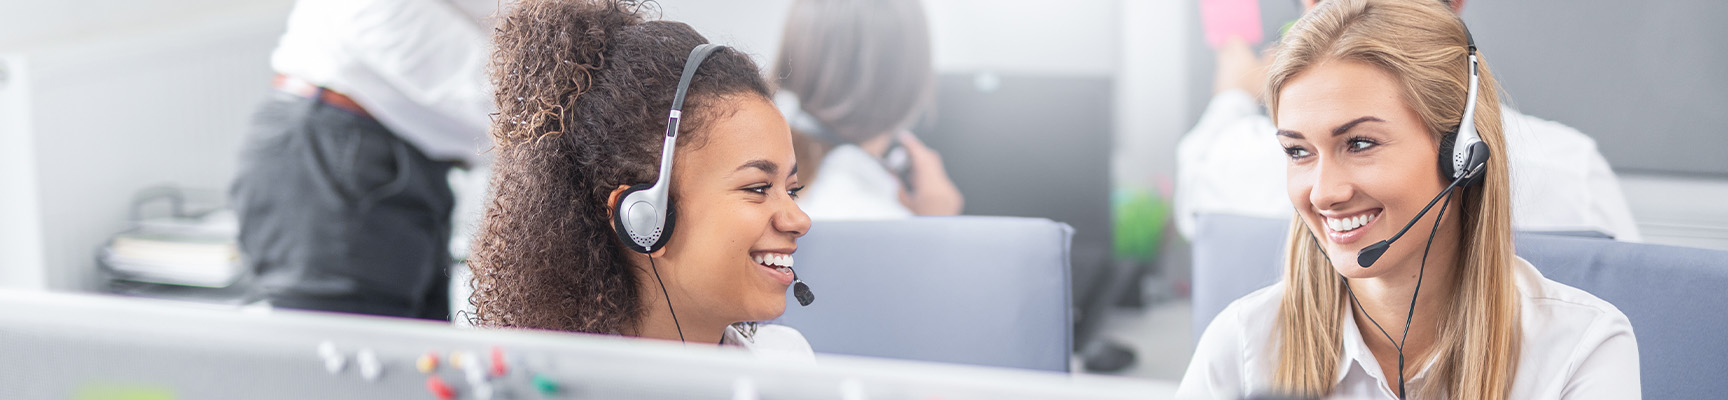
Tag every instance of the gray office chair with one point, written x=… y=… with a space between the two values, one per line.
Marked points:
x=973 y=290
x=1673 y=295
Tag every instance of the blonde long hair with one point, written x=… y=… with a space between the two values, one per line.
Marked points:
x=1422 y=45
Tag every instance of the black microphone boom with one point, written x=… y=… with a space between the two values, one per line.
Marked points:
x=1372 y=253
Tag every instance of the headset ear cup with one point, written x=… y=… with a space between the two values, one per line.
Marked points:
x=1447 y=142
x=618 y=220
x=666 y=232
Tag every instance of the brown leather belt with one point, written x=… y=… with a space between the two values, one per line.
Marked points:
x=297 y=87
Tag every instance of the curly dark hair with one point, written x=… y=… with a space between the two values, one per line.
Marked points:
x=583 y=89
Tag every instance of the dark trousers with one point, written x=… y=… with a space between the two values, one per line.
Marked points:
x=339 y=214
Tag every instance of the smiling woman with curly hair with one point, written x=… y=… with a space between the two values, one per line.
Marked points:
x=583 y=88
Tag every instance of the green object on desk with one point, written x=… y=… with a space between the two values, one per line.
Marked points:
x=114 y=391
x=1140 y=217
x=545 y=385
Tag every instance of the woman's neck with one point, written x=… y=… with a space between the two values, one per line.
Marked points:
x=1388 y=300
x=657 y=322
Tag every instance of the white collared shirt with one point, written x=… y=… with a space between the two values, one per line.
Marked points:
x=1231 y=163
x=1574 y=346
x=417 y=66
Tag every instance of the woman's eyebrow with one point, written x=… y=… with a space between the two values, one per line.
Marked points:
x=1335 y=131
x=766 y=166
x=1352 y=124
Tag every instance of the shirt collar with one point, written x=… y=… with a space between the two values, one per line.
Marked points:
x=1357 y=355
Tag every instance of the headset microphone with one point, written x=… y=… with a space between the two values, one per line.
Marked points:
x=1372 y=253
x=801 y=291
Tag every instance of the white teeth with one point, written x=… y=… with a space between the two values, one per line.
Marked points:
x=774 y=260
x=1349 y=224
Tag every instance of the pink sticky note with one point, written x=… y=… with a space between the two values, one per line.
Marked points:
x=1225 y=18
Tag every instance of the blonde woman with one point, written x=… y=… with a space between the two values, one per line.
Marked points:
x=1365 y=95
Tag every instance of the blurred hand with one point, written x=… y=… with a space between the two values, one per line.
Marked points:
x=1239 y=69
x=934 y=193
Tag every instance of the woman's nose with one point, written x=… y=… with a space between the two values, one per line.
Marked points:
x=792 y=219
x=1332 y=186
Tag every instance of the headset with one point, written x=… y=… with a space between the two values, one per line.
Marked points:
x=644 y=215
x=1462 y=156
x=1468 y=157
x=896 y=159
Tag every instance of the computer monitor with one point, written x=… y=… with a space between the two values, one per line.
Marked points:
x=1029 y=146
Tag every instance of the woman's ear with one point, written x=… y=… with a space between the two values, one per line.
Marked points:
x=612 y=205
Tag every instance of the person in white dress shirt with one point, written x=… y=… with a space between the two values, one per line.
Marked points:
x=1228 y=163
x=342 y=191
x=852 y=76
x=584 y=90
x=1362 y=93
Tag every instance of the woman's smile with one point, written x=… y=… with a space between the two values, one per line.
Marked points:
x=1347 y=228
x=776 y=264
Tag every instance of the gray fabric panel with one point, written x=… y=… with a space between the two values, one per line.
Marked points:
x=974 y=290
x=1233 y=256
x=1673 y=295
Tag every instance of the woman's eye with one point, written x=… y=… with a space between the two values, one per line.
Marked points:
x=1361 y=144
x=761 y=189
x=1296 y=152
x=794 y=191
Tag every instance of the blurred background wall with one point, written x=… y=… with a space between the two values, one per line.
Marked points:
x=107 y=97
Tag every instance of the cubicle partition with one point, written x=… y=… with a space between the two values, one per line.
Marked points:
x=62 y=346
x=989 y=291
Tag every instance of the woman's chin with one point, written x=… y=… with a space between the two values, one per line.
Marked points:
x=769 y=308
x=1347 y=266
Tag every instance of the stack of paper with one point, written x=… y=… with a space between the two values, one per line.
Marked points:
x=177 y=252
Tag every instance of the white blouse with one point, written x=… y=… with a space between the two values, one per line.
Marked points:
x=853 y=185
x=770 y=341
x=1575 y=346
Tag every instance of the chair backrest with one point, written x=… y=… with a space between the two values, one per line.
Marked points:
x=988 y=291
x=1674 y=296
